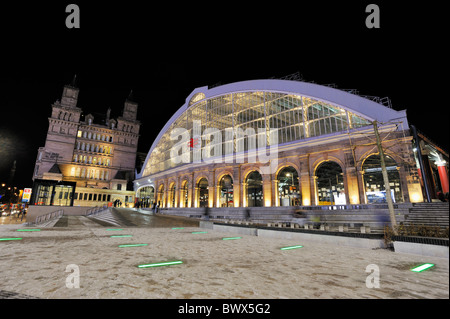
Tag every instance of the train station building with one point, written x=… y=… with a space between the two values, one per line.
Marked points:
x=267 y=143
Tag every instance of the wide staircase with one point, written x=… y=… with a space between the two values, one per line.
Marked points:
x=349 y=217
x=428 y=214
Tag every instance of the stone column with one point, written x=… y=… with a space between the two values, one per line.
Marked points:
x=276 y=197
x=305 y=186
x=351 y=186
x=443 y=176
x=267 y=193
x=362 y=187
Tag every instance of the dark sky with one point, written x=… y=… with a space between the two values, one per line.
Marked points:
x=164 y=52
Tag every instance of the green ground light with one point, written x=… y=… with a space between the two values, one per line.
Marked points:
x=120 y=236
x=199 y=232
x=422 y=267
x=167 y=263
x=291 y=247
x=177 y=227
x=33 y=229
x=231 y=238
x=14 y=238
x=132 y=245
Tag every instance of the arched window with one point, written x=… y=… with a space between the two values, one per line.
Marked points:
x=330 y=184
x=226 y=191
x=374 y=183
x=203 y=193
x=288 y=188
x=184 y=194
x=254 y=189
x=146 y=196
x=160 y=198
x=172 y=195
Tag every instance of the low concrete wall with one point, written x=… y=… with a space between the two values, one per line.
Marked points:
x=36 y=211
x=326 y=239
x=421 y=249
x=238 y=230
x=300 y=236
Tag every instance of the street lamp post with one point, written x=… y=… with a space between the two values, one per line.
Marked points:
x=385 y=179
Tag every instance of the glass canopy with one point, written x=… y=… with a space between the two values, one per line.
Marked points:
x=231 y=123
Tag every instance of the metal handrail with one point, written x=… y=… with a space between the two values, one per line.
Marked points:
x=46 y=217
x=95 y=210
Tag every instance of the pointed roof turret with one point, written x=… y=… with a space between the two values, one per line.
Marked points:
x=130 y=97
x=74 y=81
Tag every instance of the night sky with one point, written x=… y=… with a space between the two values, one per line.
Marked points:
x=164 y=52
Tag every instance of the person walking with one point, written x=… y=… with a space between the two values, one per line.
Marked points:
x=24 y=212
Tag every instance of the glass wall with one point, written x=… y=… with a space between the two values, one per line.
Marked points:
x=231 y=123
x=374 y=182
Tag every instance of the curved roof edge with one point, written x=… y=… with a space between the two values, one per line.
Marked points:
x=351 y=102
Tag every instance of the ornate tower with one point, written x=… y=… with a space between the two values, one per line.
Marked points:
x=62 y=132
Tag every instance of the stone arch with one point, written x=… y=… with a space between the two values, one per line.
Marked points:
x=287 y=186
x=145 y=195
x=330 y=183
x=250 y=169
x=372 y=152
x=373 y=182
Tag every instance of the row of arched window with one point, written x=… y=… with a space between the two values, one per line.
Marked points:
x=95 y=136
x=65 y=116
x=329 y=187
x=127 y=128
x=83 y=172
x=91 y=160
x=97 y=148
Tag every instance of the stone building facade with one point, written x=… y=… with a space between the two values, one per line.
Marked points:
x=279 y=143
x=86 y=162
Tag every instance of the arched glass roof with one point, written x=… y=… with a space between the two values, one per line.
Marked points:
x=234 y=117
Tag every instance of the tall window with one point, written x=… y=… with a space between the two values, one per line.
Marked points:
x=203 y=193
x=254 y=189
x=374 y=182
x=330 y=184
x=288 y=188
x=226 y=191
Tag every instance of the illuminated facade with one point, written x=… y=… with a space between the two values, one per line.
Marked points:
x=86 y=162
x=278 y=143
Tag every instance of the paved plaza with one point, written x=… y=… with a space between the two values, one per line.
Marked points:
x=44 y=264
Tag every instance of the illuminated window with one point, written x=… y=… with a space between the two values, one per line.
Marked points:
x=246 y=118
